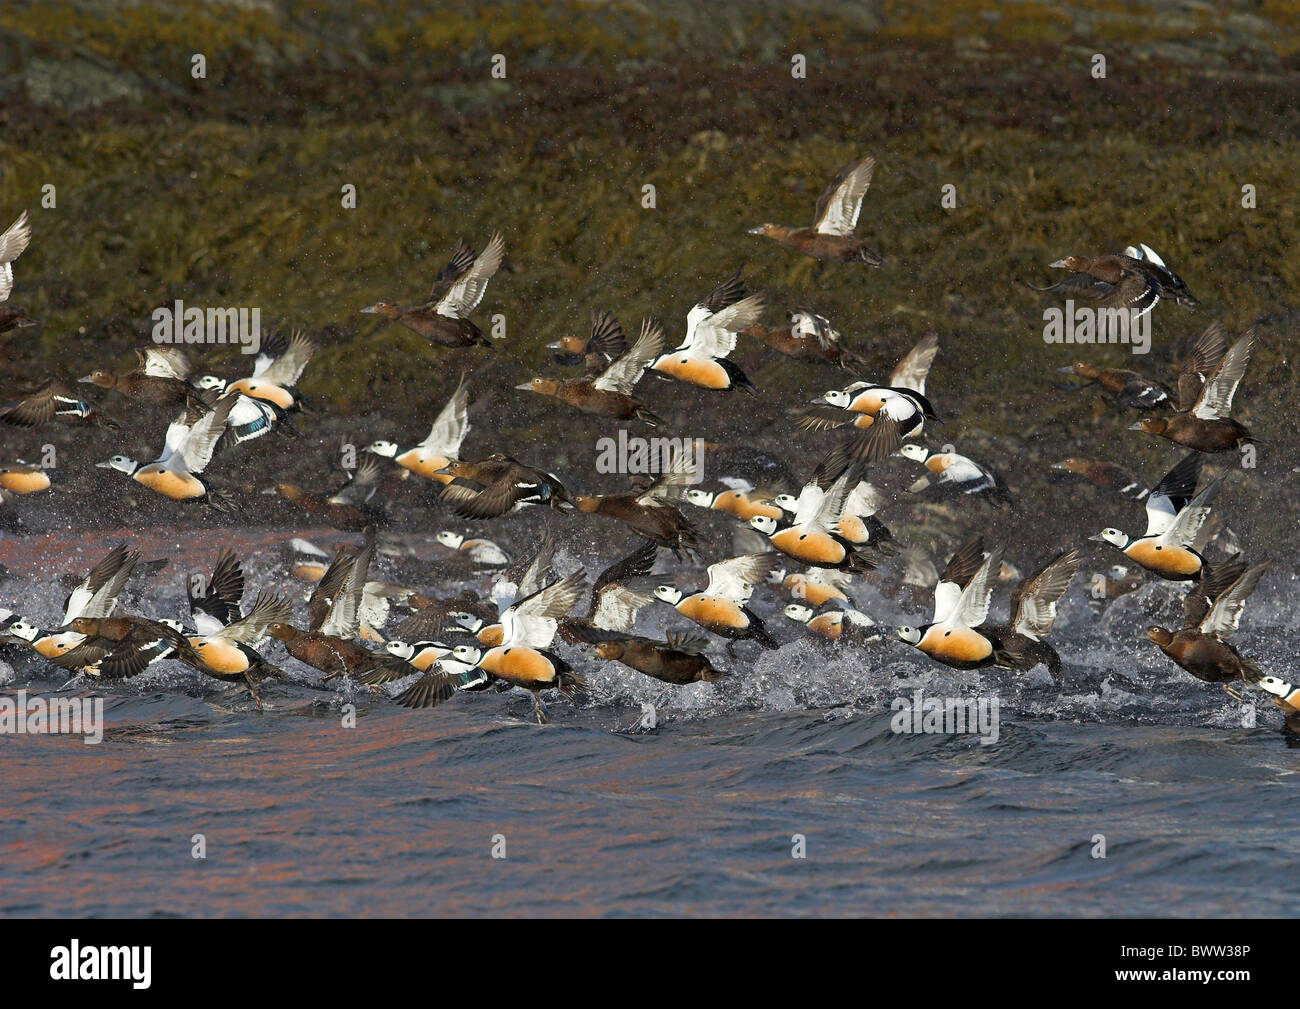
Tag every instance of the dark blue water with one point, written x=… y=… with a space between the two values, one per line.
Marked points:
x=400 y=815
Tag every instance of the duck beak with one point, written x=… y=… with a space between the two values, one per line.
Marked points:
x=103 y=465
x=1135 y=426
x=557 y=345
x=368 y=310
x=755 y=231
x=26 y=321
x=1097 y=538
x=87 y=378
x=526 y=387
x=1058 y=265
x=1067 y=370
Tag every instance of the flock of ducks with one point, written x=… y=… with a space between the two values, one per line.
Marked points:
x=810 y=539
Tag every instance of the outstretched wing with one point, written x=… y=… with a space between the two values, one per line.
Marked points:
x=841 y=201
x=465 y=294
x=1033 y=608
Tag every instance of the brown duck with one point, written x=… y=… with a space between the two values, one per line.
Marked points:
x=1212 y=612
x=457 y=290
x=652 y=511
x=1206 y=425
x=54 y=400
x=351 y=508
x=808 y=337
x=161 y=379
x=498 y=485
x=334 y=619
x=831 y=235
x=597 y=350
x=609 y=392
x=678 y=659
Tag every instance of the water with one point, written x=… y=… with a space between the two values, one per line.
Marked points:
x=400 y=815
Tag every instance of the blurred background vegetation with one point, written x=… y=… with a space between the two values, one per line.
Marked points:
x=227 y=191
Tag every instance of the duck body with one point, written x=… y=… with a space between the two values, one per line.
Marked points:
x=660 y=660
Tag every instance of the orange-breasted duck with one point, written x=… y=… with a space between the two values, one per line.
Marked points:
x=12 y=244
x=21 y=478
x=54 y=400
x=1286 y=696
x=722 y=606
x=808 y=337
x=188 y=447
x=815 y=586
x=457 y=290
x=741 y=500
x=831 y=236
x=860 y=402
x=276 y=370
x=712 y=327
x=832 y=623
x=161 y=379
x=1033 y=611
x=269 y=397
x=523 y=658
x=1135 y=279
x=481 y=552
x=522 y=578
x=442 y=444
x=954 y=635
x=95 y=595
x=652 y=511
x=811 y=536
x=619 y=592
x=857 y=522
x=1213 y=612
x=604 y=342
x=953 y=473
x=352 y=507
x=1106 y=475
x=1174 y=518
x=1207 y=424
x=499 y=485
x=609 y=393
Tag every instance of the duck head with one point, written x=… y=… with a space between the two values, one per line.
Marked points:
x=1114 y=537
x=451 y=540
x=103 y=379
x=908 y=634
x=612 y=650
x=121 y=463
x=385 y=308
x=586 y=502
x=1151 y=425
x=467 y=654
x=402 y=649
x=282 y=632
x=700 y=498
x=797 y=612
x=764 y=524
x=1072 y=263
x=917 y=453
x=1160 y=636
x=541 y=386
x=672 y=596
